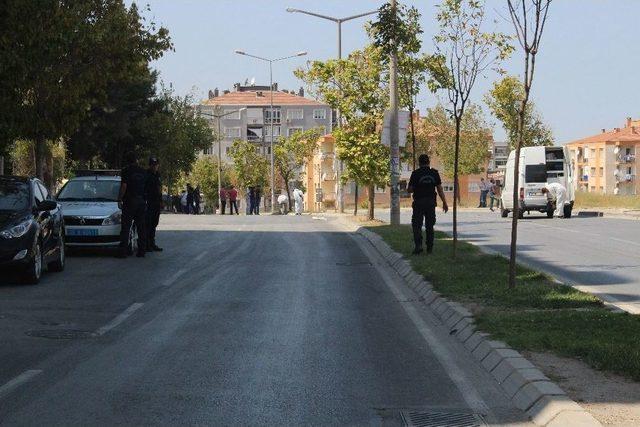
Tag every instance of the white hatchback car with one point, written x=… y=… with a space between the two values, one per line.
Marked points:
x=90 y=208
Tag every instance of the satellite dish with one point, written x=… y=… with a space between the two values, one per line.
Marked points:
x=616 y=150
x=253 y=81
x=616 y=172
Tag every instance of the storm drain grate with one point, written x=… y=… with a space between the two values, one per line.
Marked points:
x=441 y=419
x=59 y=334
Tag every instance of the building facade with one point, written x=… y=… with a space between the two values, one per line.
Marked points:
x=606 y=163
x=292 y=112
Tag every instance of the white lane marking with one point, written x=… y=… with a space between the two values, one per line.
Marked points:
x=319 y=218
x=119 y=319
x=18 y=381
x=444 y=356
x=625 y=241
x=174 y=277
x=199 y=257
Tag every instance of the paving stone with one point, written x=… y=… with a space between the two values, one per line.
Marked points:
x=508 y=366
x=461 y=324
x=442 y=308
x=496 y=356
x=574 y=419
x=548 y=407
x=466 y=333
x=530 y=393
x=486 y=347
x=453 y=320
x=475 y=340
x=519 y=378
x=430 y=296
x=436 y=303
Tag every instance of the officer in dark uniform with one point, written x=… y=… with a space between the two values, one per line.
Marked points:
x=153 y=194
x=423 y=184
x=131 y=201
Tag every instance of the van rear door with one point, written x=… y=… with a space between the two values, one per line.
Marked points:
x=535 y=178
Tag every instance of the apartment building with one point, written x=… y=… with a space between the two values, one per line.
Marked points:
x=292 y=112
x=606 y=163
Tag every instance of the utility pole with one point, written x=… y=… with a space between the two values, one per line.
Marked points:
x=393 y=130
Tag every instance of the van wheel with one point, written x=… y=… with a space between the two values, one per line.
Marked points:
x=567 y=211
x=549 y=213
x=520 y=213
x=504 y=213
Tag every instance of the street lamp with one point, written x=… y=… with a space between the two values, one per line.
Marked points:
x=338 y=21
x=218 y=117
x=271 y=61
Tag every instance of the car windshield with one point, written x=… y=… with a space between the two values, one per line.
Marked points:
x=90 y=191
x=14 y=195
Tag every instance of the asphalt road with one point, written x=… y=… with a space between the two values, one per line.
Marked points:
x=598 y=255
x=240 y=321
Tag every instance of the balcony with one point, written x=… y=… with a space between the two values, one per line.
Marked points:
x=626 y=158
x=626 y=177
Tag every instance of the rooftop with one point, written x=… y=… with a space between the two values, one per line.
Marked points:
x=629 y=133
x=258 y=96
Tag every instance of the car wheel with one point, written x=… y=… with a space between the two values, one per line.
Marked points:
x=567 y=211
x=133 y=240
x=504 y=213
x=58 y=264
x=34 y=269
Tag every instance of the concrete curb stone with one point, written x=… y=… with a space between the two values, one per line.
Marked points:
x=527 y=387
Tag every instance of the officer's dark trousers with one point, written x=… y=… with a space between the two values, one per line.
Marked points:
x=152 y=220
x=133 y=211
x=233 y=204
x=424 y=211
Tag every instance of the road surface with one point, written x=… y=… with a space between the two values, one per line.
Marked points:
x=264 y=320
x=598 y=255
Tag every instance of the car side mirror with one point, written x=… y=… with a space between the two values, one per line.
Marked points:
x=46 y=205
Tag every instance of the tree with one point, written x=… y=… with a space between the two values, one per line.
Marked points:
x=59 y=56
x=529 y=18
x=475 y=139
x=292 y=153
x=205 y=175
x=251 y=168
x=504 y=100
x=468 y=52
x=357 y=86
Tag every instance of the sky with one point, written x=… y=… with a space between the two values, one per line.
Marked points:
x=586 y=76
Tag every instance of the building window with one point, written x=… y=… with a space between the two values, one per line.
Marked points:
x=254 y=134
x=601 y=172
x=593 y=171
x=291 y=131
x=232 y=132
x=320 y=114
x=380 y=190
x=447 y=188
x=276 y=115
x=276 y=131
x=233 y=114
x=295 y=114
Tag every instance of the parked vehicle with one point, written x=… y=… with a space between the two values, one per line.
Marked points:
x=31 y=228
x=538 y=166
x=91 y=213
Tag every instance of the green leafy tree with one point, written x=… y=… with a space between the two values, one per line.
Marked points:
x=468 y=52
x=250 y=167
x=59 y=56
x=292 y=153
x=475 y=139
x=22 y=152
x=358 y=87
x=205 y=175
x=504 y=100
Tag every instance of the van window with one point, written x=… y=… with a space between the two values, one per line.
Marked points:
x=555 y=166
x=535 y=173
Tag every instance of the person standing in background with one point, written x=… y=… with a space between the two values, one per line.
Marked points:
x=223 y=201
x=484 y=191
x=189 y=199
x=233 y=200
x=258 y=195
x=196 y=200
x=153 y=194
x=494 y=194
x=298 y=198
x=131 y=201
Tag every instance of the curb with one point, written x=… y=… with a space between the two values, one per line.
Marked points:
x=527 y=387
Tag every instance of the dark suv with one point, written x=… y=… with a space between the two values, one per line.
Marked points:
x=31 y=228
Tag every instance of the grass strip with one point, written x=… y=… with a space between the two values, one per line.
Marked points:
x=538 y=315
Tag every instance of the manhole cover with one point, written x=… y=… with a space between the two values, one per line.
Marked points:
x=60 y=334
x=441 y=419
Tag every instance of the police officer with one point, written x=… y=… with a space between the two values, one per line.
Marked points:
x=131 y=201
x=423 y=184
x=153 y=194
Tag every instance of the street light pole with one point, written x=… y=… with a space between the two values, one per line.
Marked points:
x=339 y=21
x=219 y=138
x=271 y=61
x=394 y=143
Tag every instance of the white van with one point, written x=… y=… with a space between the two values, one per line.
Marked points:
x=538 y=166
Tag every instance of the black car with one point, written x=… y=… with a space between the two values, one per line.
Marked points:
x=31 y=228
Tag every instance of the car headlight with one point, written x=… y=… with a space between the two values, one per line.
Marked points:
x=16 y=231
x=113 y=219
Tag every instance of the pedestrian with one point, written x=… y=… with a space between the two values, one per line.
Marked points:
x=298 y=198
x=183 y=202
x=233 y=200
x=484 y=191
x=423 y=184
x=282 y=202
x=252 y=200
x=556 y=193
x=249 y=202
x=153 y=195
x=494 y=194
x=258 y=195
x=189 y=199
x=223 y=200
x=196 y=200
x=131 y=200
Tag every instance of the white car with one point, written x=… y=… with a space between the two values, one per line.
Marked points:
x=91 y=214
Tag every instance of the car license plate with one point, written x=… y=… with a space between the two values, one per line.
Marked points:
x=82 y=232
x=534 y=193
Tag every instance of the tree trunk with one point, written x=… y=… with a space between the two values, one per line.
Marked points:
x=39 y=152
x=413 y=137
x=355 y=206
x=372 y=199
x=286 y=187
x=516 y=199
x=456 y=185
